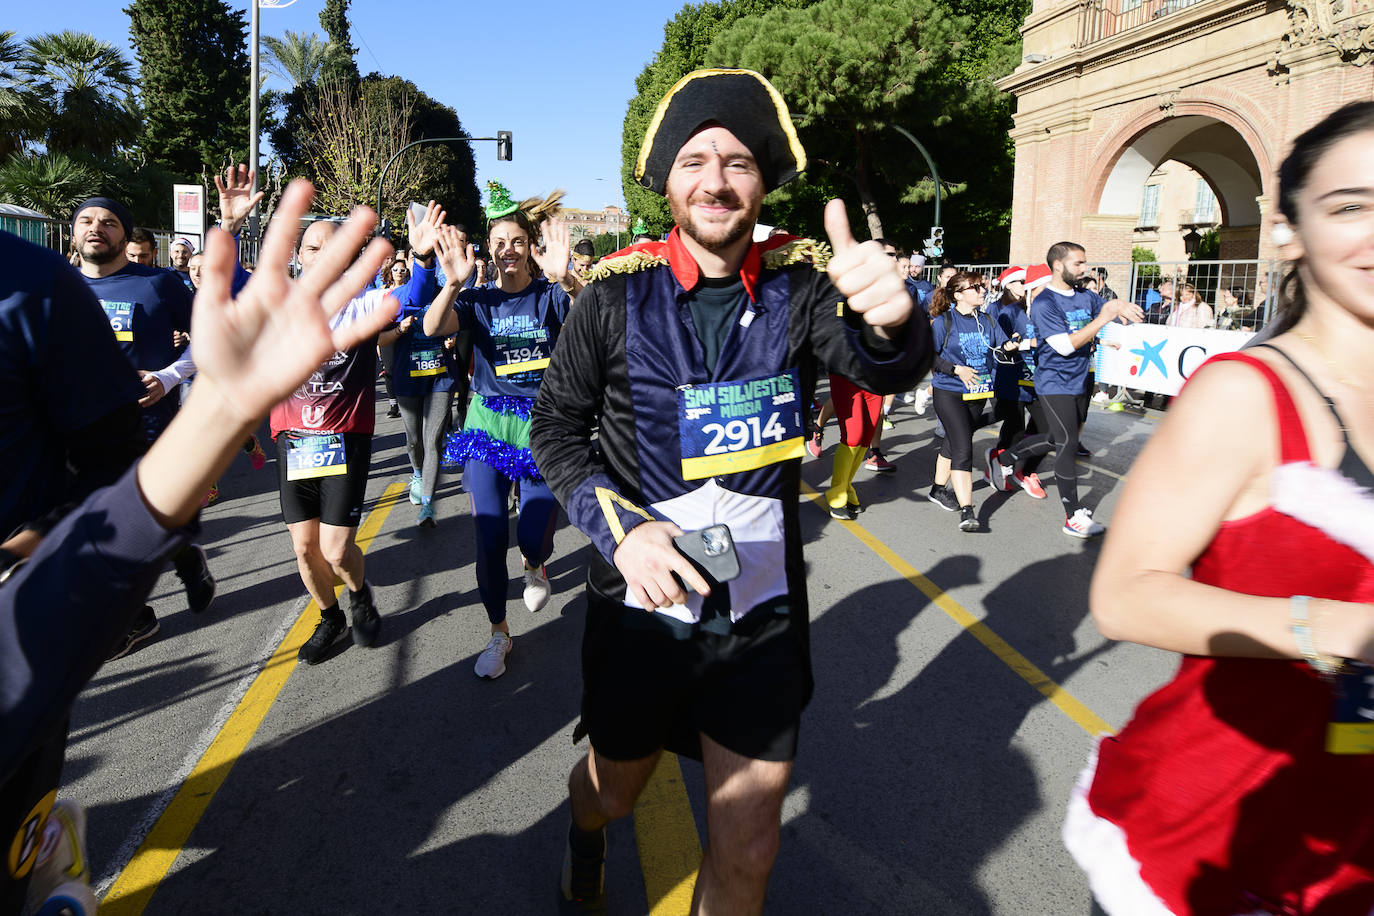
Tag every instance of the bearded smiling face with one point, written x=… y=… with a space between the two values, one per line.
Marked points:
x=715 y=189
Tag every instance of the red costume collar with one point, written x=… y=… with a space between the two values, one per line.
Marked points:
x=688 y=274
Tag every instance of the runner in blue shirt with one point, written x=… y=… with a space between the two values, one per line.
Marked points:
x=422 y=371
x=1067 y=320
x=515 y=324
x=1014 y=383
x=966 y=342
x=144 y=306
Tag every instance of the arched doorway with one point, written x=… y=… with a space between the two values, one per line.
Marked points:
x=1212 y=148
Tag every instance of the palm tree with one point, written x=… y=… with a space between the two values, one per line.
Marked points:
x=19 y=107
x=297 y=58
x=51 y=183
x=89 y=88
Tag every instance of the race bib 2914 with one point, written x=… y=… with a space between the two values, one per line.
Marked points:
x=731 y=427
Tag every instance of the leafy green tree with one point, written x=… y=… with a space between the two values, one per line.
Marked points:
x=193 y=59
x=51 y=183
x=608 y=242
x=685 y=41
x=341 y=62
x=21 y=109
x=297 y=58
x=851 y=68
x=87 y=88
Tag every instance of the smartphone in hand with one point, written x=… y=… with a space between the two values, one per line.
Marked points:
x=712 y=552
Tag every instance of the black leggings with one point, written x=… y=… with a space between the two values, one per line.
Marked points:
x=1062 y=414
x=1012 y=416
x=960 y=419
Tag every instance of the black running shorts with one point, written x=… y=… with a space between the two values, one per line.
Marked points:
x=643 y=686
x=336 y=500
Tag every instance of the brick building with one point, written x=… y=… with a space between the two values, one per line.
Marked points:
x=591 y=223
x=1109 y=91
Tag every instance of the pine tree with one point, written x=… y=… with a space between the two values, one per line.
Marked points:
x=340 y=63
x=193 y=57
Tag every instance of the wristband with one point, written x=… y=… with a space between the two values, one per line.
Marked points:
x=1325 y=665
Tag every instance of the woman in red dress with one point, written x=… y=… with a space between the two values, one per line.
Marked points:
x=1246 y=784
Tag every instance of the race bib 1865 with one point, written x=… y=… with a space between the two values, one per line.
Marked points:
x=315 y=456
x=730 y=427
x=121 y=315
x=427 y=362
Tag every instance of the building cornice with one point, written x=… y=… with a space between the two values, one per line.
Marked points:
x=1191 y=21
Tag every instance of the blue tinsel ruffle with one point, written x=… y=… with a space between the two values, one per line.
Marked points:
x=470 y=444
x=509 y=404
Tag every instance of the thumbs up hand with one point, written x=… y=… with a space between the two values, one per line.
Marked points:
x=865 y=275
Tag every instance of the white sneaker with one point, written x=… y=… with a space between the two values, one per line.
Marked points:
x=923 y=397
x=491 y=663
x=537 y=588
x=1081 y=525
x=1101 y=398
x=909 y=397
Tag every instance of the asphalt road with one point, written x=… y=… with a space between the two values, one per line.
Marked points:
x=959 y=680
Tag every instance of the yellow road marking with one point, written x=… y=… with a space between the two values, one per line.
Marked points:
x=1070 y=705
x=669 y=849
x=159 y=850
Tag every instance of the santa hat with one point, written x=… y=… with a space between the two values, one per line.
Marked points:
x=1037 y=275
x=1011 y=275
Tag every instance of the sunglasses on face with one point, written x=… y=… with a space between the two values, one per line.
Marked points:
x=980 y=287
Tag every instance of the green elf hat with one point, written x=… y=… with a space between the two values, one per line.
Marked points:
x=639 y=228
x=742 y=102
x=500 y=203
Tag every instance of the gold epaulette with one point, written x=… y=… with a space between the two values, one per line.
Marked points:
x=630 y=263
x=817 y=254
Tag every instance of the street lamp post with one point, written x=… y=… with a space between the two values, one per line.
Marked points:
x=503 y=151
x=253 y=104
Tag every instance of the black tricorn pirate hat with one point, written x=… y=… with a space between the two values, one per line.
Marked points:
x=742 y=102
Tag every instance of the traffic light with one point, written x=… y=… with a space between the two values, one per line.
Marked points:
x=935 y=245
x=503 y=145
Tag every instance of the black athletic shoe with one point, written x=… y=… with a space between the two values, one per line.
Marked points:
x=145 y=628
x=199 y=582
x=1083 y=452
x=967 y=520
x=328 y=631
x=944 y=498
x=394 y=410
x=584 y=880
x=367 y=623
x=846 y=513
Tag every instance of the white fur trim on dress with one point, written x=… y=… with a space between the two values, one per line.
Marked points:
x=1099 y=848
x=1328 y=500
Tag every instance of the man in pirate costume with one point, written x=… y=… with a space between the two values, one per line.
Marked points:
x=695 y=357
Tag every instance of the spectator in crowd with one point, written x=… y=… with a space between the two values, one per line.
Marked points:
x=1190 y=311
x=142 y=247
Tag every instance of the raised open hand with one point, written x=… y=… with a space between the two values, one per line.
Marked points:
x=422 y=232
x=236 y=197
x=863 y=273
x=457 y=258
x=258 y=348
x=557 y=248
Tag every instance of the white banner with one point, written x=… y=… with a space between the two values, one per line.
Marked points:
x=1152 y=357
x=188 y=212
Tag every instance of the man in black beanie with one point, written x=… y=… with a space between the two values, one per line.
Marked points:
x=144 y=306
x=696 y=358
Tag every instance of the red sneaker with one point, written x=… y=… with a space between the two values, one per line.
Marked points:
x=813 y=445
x=1031 y=484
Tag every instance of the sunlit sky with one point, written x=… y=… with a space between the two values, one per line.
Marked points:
x=558 y=75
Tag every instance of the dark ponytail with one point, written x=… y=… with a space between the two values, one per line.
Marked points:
x=943 y=299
